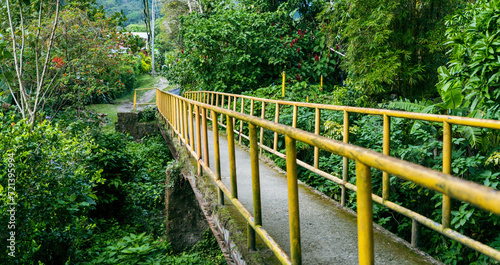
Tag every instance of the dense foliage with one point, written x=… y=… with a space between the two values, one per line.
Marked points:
x=391 y=46
x=85 y=196
x=240 y=47
x=417 y=142
x=471 y=79
x=131 y=9
x=74 y=55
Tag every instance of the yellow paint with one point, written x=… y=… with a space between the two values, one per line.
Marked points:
x=283 y=85
x=442 y=182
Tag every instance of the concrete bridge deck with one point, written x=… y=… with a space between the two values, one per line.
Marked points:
x=328 y=232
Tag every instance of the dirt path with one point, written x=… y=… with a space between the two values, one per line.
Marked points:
x=128 y=105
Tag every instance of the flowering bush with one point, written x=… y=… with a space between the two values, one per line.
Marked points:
x=90 y=62
x=241 y=48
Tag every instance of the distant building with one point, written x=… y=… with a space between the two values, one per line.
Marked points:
x=142 y=35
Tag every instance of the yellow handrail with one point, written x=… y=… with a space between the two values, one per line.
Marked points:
x=170 y=107
x=135 y=97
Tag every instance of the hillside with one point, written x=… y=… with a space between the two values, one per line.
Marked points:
x=133 y=9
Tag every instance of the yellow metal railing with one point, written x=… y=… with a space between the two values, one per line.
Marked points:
x=178 y=113
x=135 y=97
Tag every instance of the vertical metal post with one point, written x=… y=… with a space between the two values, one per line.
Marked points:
x=190 y=121
x=135 y=98
x=185 y=118
x=386 y=151
x=294 y=122
x=232 y=156
x=221 y=116
x=198 y=138
x=216 y=100
x=251 y=107
x=277 y=120
x=321 y=82
x=234 y=109
x=262 y=116
x=447 y=170
x=254 y=160
x=317 y=121
x=212 y=98
x=172 y=114
x=365 y=212
x=181 y=125
x=283 y=85
x=215 y=129
x=414 y=233
x=206 y=156
x=293 y=200
x=177 y=116
x=345 y=166
x=241 y=121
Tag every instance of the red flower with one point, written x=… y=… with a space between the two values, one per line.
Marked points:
x=59 y=61
x=298 y=31
x=316 y=58
x=291 y=44
x=182 y=51
x=298 y=49
x=328 y=55
x=272 y=24
x=299 y=66
x=281 y=37
x=297 y=77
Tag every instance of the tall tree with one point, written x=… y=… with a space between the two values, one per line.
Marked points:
x=29 y=96
x=391 y=47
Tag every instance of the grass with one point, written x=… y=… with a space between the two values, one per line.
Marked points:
x=143 y=81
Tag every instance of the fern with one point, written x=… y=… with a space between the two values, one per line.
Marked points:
x=472 y=134
x=407 y=105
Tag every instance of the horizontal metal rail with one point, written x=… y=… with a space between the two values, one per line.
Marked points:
x=135 y=97
x=174 y=107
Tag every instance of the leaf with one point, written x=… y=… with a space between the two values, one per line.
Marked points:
x=451 y=94
x=472 y=134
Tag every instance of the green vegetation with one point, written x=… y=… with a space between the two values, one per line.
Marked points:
x=424 y=56
x=73 y=191
x=132 y=9
x=88 y=194
x=97 y=197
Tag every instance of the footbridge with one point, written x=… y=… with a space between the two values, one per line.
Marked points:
x=276 y=218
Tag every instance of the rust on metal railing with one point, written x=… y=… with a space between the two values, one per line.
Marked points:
x=442 y=182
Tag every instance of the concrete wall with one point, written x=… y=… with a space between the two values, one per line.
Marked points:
x=128 y=122
x=226 y=223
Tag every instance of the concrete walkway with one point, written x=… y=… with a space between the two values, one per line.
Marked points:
x=328 y=232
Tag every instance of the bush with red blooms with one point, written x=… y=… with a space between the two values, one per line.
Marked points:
x=242 y=48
